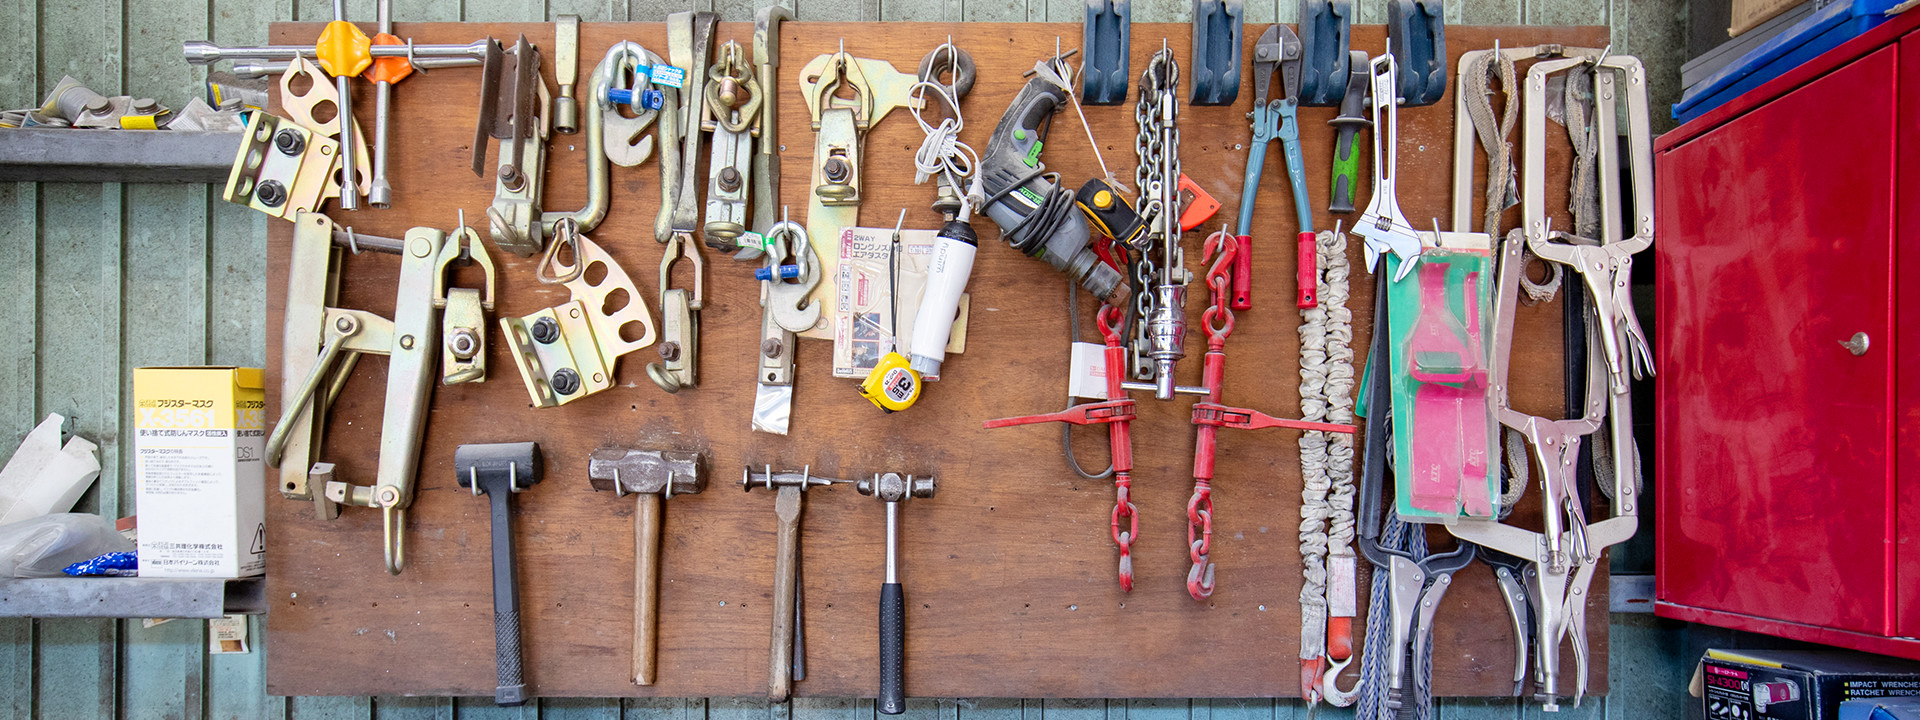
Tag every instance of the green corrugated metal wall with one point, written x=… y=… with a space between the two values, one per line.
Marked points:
x=105 y=278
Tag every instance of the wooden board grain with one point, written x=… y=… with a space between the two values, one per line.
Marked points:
x=1009 y=570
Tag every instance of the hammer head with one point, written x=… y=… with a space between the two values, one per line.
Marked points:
x=497 y=467
x=892 y=487
x=666 y=472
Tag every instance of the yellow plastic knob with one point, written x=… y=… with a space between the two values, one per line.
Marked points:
x=1103 y=200
x=343 y=49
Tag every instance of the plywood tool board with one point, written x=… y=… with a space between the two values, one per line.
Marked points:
x=1009 y=571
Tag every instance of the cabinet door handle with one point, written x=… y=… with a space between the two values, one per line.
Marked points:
x=1857 y=345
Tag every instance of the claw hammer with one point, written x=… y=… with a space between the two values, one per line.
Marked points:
x=651 y=476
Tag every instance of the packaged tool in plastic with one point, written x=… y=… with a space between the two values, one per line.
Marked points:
x=1445 y=439
x=871 y=274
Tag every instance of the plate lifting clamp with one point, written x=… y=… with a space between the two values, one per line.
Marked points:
x=732 y=114
x=322 y=343
x=838 y=124
x=785 y=311
x=463 y=346
x=287 y=167
x=689 y=42
x=514 y=106
x=568 y=352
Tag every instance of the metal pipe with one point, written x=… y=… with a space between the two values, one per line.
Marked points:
x=594 y=106
x=380 y=195
x=201 y=52
x=273 y=68
x=349 y=177
x=893 y=542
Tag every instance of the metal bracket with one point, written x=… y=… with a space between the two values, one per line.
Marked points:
x=1217 y=27
x=781 y=316
x=839 y=123
x=1417 y=40
x=732 y=114
x=1107 y=35
x=1325 y=27
x=463 y=326
x=513 y=109
x=679 y=318
x=320 y=347
x=282 y=169
x=569 y=351
x=299 y=108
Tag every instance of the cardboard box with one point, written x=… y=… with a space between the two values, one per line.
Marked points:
x=1907 y=708
x=1796 y=684
x=199 y=471
x=1749 y=14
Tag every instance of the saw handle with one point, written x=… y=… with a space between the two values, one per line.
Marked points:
x=893 y=649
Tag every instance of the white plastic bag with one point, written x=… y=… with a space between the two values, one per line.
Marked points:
x=44 y=546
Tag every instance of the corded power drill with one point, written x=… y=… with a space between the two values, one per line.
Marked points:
x=1035 y=214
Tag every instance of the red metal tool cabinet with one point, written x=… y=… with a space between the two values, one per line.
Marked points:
x=1788 y=465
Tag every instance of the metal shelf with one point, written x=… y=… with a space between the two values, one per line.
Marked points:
x=131 y=156
x=109 y=597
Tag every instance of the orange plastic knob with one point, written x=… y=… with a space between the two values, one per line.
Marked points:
x=389 y=69
x=343 y=49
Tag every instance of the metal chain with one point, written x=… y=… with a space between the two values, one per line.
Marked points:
x=1218 y=321
x=1148 y=149
x=1110 y=320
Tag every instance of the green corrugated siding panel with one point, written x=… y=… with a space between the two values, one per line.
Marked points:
x=191 y=269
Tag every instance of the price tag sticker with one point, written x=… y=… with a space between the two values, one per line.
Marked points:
x=756 y=240
x=669 y=76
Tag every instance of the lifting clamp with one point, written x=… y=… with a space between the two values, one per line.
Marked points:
x=838 y=124
x=689 y=42
x=785 y=310
x=320 y=347
x=732 y=114
x=568 y=352
x=514 y=106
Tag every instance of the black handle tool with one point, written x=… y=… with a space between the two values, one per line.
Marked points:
x=499 y=470
x=894 y=489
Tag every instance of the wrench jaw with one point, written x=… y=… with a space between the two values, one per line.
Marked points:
x=1383 y=227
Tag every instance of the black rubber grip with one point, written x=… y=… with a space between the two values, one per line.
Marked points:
x=893 y=649
x=506 y=658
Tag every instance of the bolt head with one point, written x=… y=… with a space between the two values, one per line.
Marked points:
x=565 y=381
x=545 y=331
x=836 y=170
x=289 y=142
x=669 y=351
x=729 y=179
x=771 y=347
x=464 y=343
x=511 y=178
x=271 y=193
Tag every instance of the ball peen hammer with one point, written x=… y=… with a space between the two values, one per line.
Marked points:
x=650 y=476
x=894 y=489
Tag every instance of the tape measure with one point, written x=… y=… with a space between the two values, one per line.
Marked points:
x=892 y=385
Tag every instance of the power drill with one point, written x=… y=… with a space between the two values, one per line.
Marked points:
x=1035 y=215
